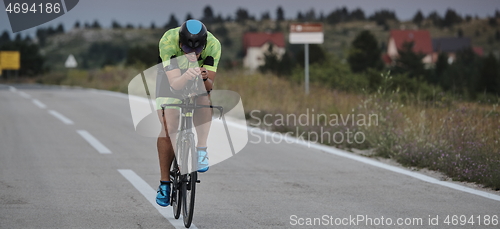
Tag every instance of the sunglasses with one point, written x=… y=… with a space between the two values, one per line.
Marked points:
x=187 y=49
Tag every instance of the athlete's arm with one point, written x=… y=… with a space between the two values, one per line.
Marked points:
x=210 y=78
x=177 y=81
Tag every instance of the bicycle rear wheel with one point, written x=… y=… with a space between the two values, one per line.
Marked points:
x=189 y=184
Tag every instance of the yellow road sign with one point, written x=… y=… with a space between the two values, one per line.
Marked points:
x=10 y=60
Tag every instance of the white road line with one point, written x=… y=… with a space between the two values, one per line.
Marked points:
x=150 y=194
x=351 y=156
x=94 y=142
x=24 y=95
x=39 y=104
x=12 y=89
x=61 y=117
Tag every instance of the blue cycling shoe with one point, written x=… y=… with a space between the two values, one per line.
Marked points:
x=202 y=159
x=163 y=194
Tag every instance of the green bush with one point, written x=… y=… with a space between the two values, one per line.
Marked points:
x=335 y=75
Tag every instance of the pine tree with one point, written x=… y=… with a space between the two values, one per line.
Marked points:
x=208 y=15
x=5 y=38
x=280 y=14
x=418 y=18
x=489 y=79
x=115 y=25
x=172 y=23
x=364 y=53
x=410 y=62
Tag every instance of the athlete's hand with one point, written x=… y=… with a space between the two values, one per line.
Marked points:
x=204 y=73
x=191 y=73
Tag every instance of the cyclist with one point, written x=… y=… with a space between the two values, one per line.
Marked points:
x=200 y=48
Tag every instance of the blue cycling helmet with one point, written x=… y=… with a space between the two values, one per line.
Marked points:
x=193 y=36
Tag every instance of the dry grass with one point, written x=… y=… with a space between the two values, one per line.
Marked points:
x=460 y=139
x=276 y=95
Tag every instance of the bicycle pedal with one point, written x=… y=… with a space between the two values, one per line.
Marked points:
x=198 y=181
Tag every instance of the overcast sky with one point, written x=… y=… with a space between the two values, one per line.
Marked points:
x=158 y=11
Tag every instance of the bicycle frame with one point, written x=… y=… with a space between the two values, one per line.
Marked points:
x=185 y=143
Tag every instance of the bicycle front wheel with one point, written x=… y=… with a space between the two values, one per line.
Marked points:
x=189 y=186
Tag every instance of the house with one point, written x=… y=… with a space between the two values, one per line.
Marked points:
x=255 y=45
x=452 y=45
x=422 y=43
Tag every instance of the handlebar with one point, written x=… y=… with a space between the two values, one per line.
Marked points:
x=194 y=106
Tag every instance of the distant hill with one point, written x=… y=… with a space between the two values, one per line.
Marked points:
x=114 y=43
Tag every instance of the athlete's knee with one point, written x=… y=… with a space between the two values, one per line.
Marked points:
x=203 y=100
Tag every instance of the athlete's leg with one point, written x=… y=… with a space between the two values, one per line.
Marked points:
x=166 y=142
x=202 y=120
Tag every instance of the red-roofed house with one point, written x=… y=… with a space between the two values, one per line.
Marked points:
x=422 y=43
x=257 y=44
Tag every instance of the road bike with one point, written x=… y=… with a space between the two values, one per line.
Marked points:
x=184 y=175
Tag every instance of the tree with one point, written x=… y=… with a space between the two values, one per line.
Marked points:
x=100 y=54
x=418 y=18
x=41 y=35
x=358 y=14
x=440 y=68
x=492 y=22
x=60 y=28
x=188 y=17
x=364 y=53
x=219 y=19
x=242 y=15
x=435 y=18
x=382 y=16
x=270 y=61
x=316 y=55
x=96 y=25
x=489 y=78
x=265 y=16
x=310 y=15
x=468 y=18
x=321 y=17
x=5 y=38
x=280 y=14
x=275 y=65
x=145 y=55
x=338 y=15
x=153 y=25
x=77 y=25
x=463 y=74
x=208 y=15
x=172 y=23
x=115 y=25
x=27 y=39
x=451 y=18
x=18 y=38
x=51 y=31
x=409 y=62
x=300 y=17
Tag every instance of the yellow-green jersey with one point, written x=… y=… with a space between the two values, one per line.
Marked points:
x=169 y=49
x=172 y=57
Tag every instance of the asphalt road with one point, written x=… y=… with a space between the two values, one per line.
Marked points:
x=69 y=158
